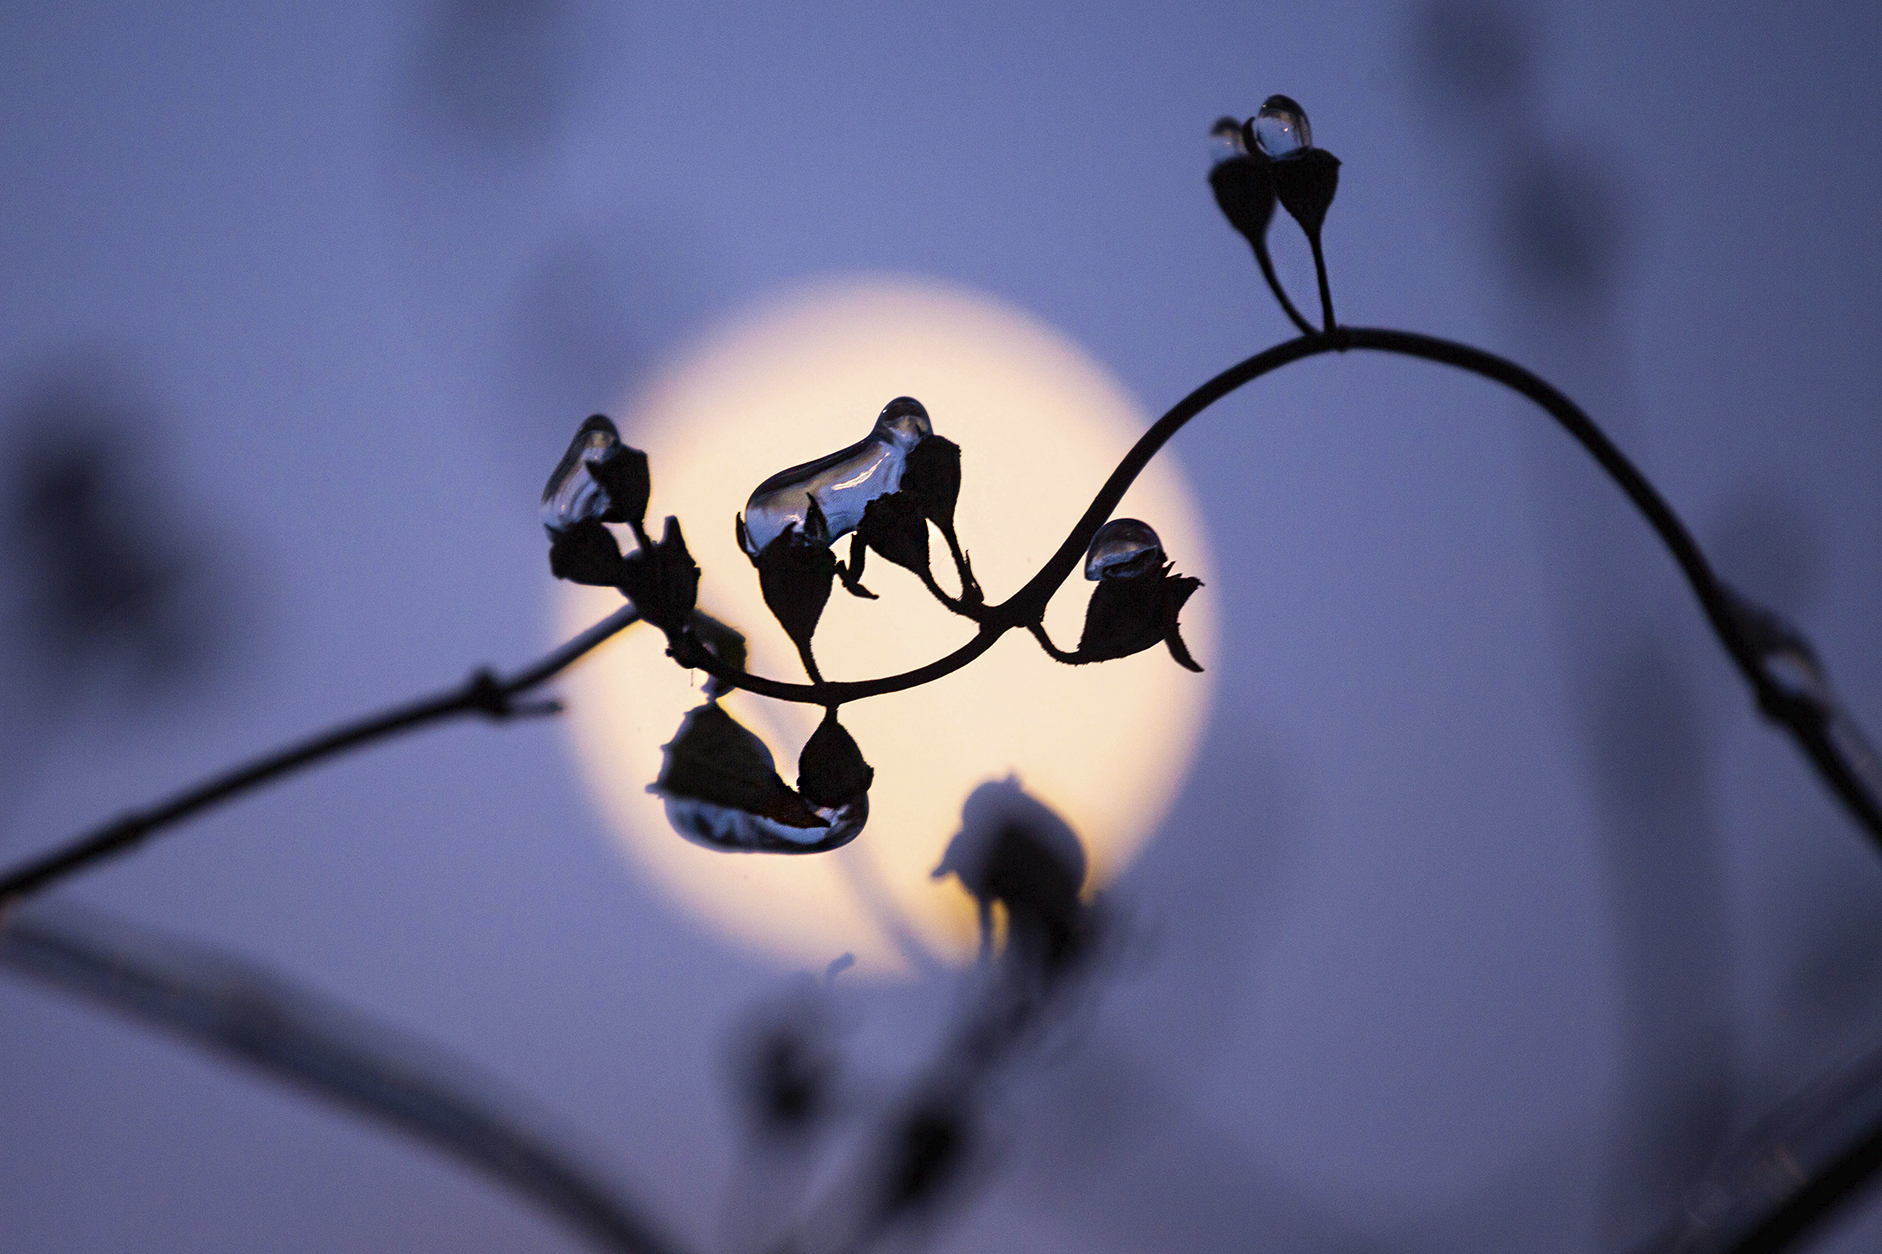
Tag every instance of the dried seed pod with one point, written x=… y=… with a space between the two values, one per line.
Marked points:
x=663 y=582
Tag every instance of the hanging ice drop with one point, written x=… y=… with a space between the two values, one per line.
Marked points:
x=1281 y=127
x=843 y=483
x=1123 y=547
x=1225 y=141
x=572 y=493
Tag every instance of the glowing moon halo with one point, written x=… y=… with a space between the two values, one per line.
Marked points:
x=1040 y=426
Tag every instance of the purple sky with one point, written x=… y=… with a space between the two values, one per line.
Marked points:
x=1490 y=904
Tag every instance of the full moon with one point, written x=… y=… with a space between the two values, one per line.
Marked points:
x=1040 y=425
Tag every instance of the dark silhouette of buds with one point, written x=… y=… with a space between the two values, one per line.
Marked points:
x=586 y=552
x=831 y=772
x=795 y=576
x=662 y=582
x=896 y=527
x=1137 y=601
x=932 y=478
x=624 y=477
x=1305 y=184
x=1014 y=849
x=1129 y=614
x=723 y=791
x=1242 y=182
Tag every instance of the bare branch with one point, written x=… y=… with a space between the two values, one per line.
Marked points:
x=483 y=693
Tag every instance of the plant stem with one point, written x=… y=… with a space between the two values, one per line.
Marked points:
x=486 y=694
x=483 y=693
x=1320 y=273
x=1057 y=654
x=1280 y=293
x=256 y=1017
x=1027 y=606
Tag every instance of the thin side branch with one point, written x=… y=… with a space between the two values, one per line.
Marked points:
x=1320 y=274
x=255 y=1017
x=1294 y=315
x=483 y=693
x=1053 y=651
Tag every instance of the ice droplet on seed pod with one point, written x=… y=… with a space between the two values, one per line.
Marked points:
x=1123 y=547
x=572 y=493
x=843 y=483
x=723 y=791
x=1281 y=127
x=1225 y=141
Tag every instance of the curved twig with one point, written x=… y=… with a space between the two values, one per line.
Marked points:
x=1266 y=262
x=483 y=693
x=1027 y=606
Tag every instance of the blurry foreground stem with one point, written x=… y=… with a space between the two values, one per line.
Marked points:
x=239 y=1011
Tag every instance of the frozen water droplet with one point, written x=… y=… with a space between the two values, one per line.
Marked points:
x=1281 y=127
x=1225 y=141
x=843 y=483
x=1123 y=547
x=903 y=421
x=572 y=494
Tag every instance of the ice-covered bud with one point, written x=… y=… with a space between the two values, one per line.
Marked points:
x=841 y=484
x=1122 y=548
x=723 y=791
x=1281 y=129
x=598 y=479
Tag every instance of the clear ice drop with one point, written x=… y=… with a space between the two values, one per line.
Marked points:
x=843 y=483
x=1225 y=141
x=1123 y=547
x=572 y=493
x=1281 y=127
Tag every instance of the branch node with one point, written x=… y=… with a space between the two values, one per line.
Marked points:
x=486 y=695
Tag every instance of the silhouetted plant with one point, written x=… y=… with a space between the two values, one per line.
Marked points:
x=722 y=788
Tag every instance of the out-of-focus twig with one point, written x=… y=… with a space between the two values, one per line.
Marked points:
x=234 y=1009
x=1792 y=1172
x=485 y=693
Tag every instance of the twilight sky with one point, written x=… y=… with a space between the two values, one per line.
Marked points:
x=1490 y=908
